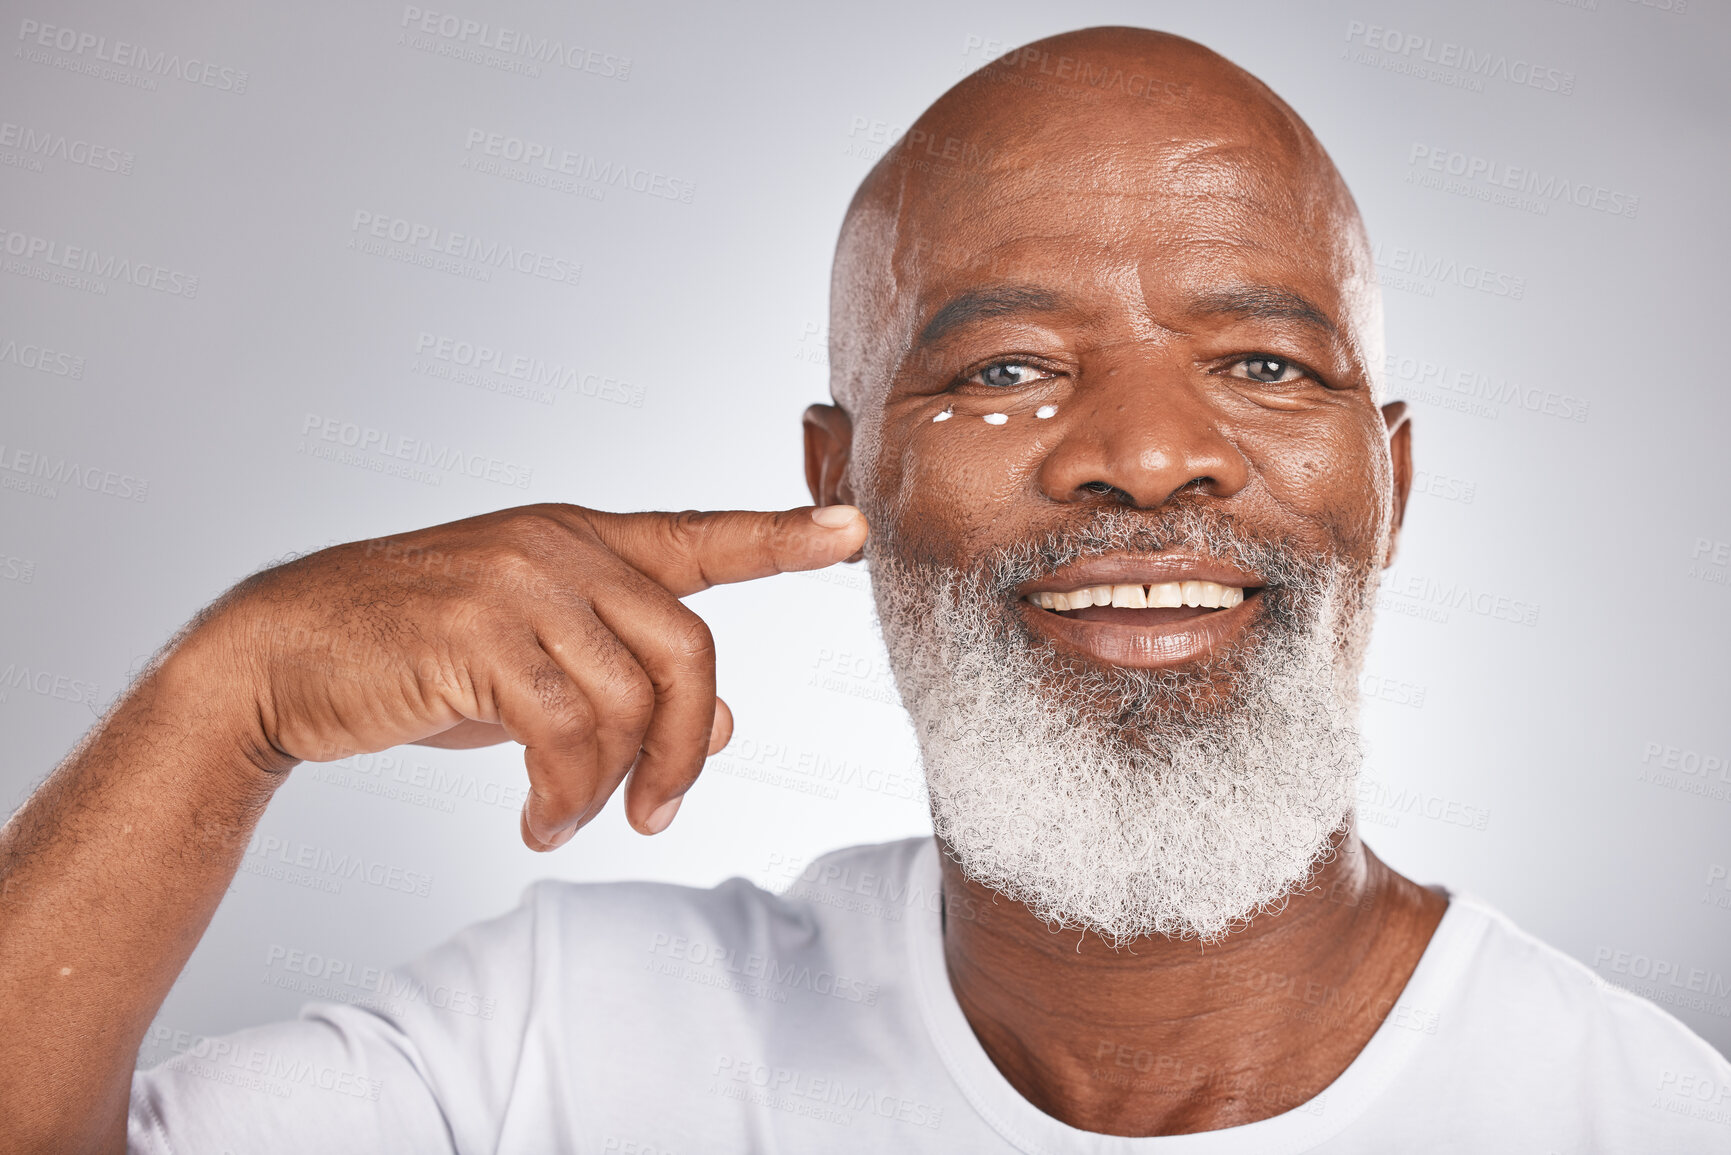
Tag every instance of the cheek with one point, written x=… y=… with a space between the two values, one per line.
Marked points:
x=1333 y=474
x=955 y=486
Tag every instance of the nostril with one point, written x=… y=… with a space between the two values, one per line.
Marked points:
x=1106 y=490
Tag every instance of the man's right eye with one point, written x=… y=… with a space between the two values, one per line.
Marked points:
x=1005 y=375
x=1269 y=370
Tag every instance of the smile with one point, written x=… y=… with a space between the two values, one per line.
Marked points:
x=1147 y=611
x=1159 y=595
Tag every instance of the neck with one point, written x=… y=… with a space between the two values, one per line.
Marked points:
x=1166 y=1036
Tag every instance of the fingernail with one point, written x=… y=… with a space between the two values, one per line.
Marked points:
x=834 y=516
x=662 y=815
x=561 y=838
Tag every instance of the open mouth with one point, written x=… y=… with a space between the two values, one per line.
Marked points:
x=1144 y=610
x=1150 y=604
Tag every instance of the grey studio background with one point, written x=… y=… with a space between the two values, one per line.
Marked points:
x=278 y=276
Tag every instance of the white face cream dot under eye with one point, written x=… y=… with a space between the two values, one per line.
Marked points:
x=944 y=416
x=994 y=418
x=1045 y=411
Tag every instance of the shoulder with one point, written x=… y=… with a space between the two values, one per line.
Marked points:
x=1511 y=965
x=597 y=977
x=1541 y=1021
x=818 y=901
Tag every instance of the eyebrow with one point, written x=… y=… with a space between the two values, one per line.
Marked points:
x=1265 y=303
x=989 y=301
x=1250 y=302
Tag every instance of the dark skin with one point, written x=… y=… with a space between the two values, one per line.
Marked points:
x=1198 y=320
x=1168 y=248
x=553 y=626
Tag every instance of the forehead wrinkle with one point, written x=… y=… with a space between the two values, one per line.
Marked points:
x=1207 y=190
x=1227 y=180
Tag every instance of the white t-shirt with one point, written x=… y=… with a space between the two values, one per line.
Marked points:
x=647 y=1019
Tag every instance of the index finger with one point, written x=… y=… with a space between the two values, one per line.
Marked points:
x=691 y=551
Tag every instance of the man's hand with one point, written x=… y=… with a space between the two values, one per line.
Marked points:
x=557 y=626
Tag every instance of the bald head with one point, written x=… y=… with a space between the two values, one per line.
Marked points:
x=1104 y=335
x=1110 y=269
x=1143 y=133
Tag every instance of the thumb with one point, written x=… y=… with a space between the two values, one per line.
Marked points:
x=691 y=551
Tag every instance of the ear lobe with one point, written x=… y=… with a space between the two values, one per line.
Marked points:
x=1399 y=425
x=828 y=449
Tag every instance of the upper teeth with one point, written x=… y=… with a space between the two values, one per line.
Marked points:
x=1138 y=597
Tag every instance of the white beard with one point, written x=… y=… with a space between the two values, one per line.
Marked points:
x=1133 y=802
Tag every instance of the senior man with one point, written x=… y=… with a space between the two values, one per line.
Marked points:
x=1106 y=347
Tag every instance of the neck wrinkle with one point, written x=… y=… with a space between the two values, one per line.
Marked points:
x=1168 y=1036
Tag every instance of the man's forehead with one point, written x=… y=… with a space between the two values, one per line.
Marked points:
x=1185 y=213
x=1216 y=193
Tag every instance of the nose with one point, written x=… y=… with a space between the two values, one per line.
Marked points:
x=1143 y=432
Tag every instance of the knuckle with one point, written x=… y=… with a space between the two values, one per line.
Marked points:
x=571 y=722
x=571 y=719
x=545 y=517
x=538 y=531
x=630 y=694
x=566 y=710
x=687 y=524
x=558 y=799
x=534 y=557
x=691 y=639
x=508 y=568
x=682 y=533
x=574 y=521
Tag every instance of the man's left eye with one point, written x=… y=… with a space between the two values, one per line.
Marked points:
x=1268 y=370
x=1006 y=375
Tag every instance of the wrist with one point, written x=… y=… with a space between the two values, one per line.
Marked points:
x=216 y=687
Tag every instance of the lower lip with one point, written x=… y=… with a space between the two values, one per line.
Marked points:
x=1146 y=645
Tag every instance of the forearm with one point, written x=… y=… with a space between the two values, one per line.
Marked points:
x=109 y=874
x=557 y=626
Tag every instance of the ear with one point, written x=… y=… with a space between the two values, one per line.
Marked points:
x=1399 y=425
x=828 y=449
